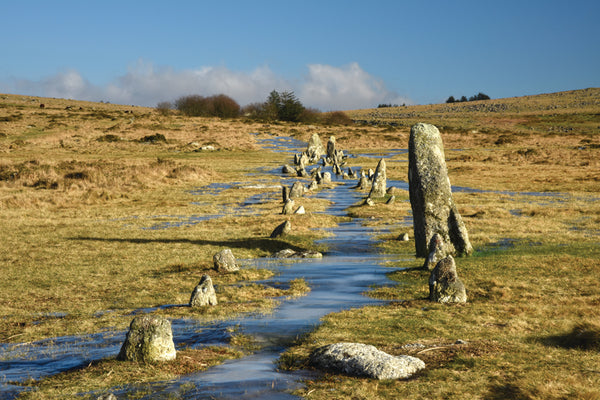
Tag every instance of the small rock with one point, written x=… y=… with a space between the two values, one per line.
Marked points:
x=224 y=261
x=288 y=170
x=358 y=359
x=313 y=186
x=288 y=207
x=150 y=339
x=391 y=200
x=108 y=396
x=369 y=202
x=444 y=284
x=460 y=341
x=404 y=237
x=204 y=294
x=282 y=230
x=326 y=177
x=289 y=253
x=300 y=210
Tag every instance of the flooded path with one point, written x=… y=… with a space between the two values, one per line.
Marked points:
x=351 y=266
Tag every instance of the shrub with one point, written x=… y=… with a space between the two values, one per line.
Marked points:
x=220 y=105
x=337 y=118
x=164 y=107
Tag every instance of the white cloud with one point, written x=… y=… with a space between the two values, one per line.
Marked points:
x=325 y=87
x=347 y=88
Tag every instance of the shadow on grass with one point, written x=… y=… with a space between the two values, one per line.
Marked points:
x=264 y=244
x=583 y=336
x=507 y=391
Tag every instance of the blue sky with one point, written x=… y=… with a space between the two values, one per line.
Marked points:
x=332 y=54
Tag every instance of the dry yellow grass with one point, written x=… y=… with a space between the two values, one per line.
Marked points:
x=80 y=186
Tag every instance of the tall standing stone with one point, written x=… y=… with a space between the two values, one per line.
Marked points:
x=379 y=187
x=315 y=148
x=331 y=150
x=433 y=207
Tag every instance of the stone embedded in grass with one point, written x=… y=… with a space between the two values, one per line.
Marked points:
x=369 y=202
x=282 y=230
x=326 y=178
x=289 y=253
x=204 y=293
x=437 y=251
x=444 y=284
x=288 y=207
x=363 y=183
x=297 y=190
x=404 y=237
x=224 y=261
x=288 y=170
x=433 y=207
x=150 y=339
x=391 y=200
x=357 y=359
x=379 y=186
x=300 y=211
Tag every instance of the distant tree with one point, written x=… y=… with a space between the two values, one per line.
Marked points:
x=220 y=105
x=290 y=108
x=451 y=99
x=164 y=107
x=224 y=106
x=463 y=99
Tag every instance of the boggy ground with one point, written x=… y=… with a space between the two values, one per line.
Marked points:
x=79 y=185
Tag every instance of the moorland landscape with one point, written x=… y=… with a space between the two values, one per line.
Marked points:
x=108 y=211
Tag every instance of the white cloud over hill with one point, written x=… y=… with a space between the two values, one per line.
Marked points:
x=324 y=87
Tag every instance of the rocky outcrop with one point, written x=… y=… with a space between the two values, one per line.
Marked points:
x=379 y=186
x=282 y=230
x=358 y=359
x=150 y=339
x=433 y=207
x=444 y=284
x=204 y=294
x=224 y=261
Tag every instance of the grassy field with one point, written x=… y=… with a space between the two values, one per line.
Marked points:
x=83 y=184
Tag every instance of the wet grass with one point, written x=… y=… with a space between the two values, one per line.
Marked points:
x=78 y=212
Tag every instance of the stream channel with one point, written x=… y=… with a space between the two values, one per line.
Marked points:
x=349 y=268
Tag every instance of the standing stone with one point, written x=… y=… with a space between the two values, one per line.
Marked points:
x=150 y=339
x=444 y=284
x=282 y=230
x=331 y=148
x=363 y=182
x=224 y=261
x=288 y=207
x=297 y=190
x=326 y=177
x=315 y=148
x=204 y=294
x=285 y=193
x=391 y=200
x=357 y=359
x=437 y=251
x=433 y=207
x=379 y=181
x=300 y=211
x=313 y=186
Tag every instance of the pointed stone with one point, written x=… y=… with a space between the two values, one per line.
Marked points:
x=204 y=293
x=379 y=180
x=433 y=207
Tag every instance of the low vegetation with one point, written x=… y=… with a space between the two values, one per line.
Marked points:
x=84 y=195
